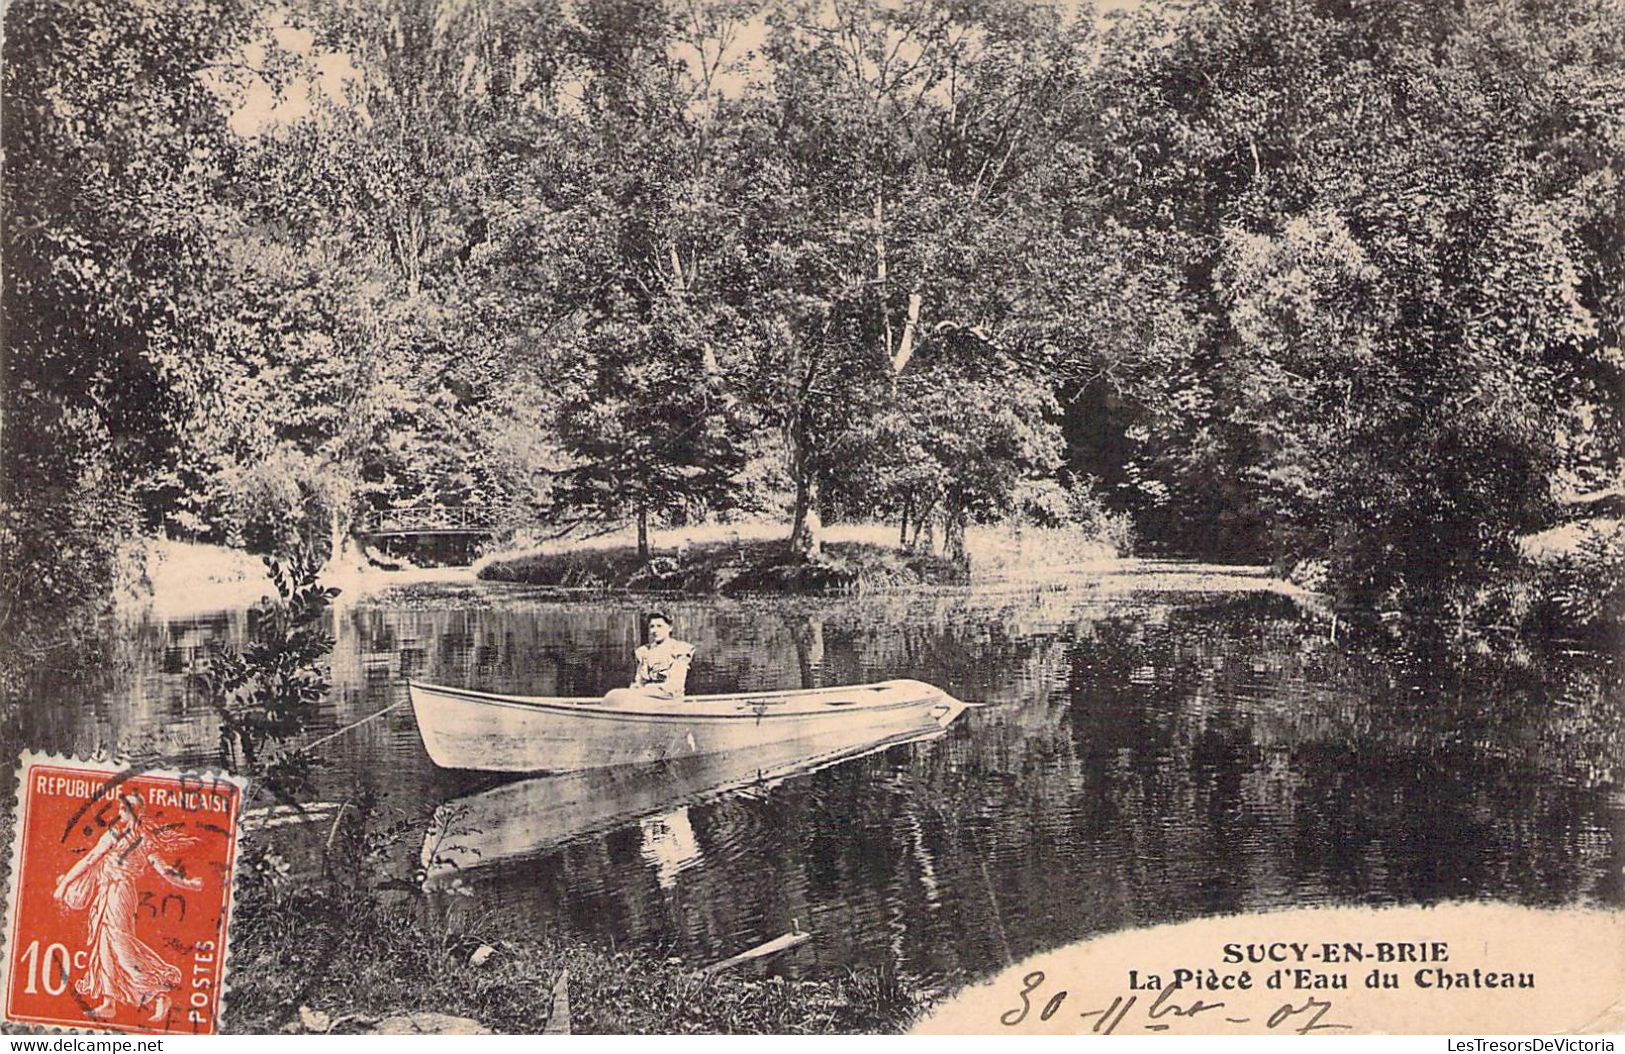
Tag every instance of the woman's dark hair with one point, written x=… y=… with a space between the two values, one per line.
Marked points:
x=651 y=616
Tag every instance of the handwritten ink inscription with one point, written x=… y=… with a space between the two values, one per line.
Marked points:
x=1165 y=1010
x=1171 y=1006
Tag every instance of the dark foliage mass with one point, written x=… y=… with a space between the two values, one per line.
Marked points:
x=1284 y=281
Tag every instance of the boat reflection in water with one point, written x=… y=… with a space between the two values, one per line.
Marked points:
x=515 y=821
x=669 y=845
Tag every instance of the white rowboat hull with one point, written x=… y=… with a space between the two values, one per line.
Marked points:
x=462 y=729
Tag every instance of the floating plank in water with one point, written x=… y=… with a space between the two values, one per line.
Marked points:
x=558 y=1019
x=782 y=943
x=282 y=815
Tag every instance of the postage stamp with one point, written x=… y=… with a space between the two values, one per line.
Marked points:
x=120 y=897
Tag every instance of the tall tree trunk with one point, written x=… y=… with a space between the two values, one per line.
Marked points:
x=923 y=535
x=805 y=523
x=925 y=524
x=643 y=532
x=808 y=635
x=880 y=275
x=339 y=496
x=902 y=527
x=338 y=532
x=905 y=347
x=953 y=536
x=896 y=352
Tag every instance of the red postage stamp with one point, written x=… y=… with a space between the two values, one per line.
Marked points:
x=121 y=884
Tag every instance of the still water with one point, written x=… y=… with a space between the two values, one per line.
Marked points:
x=1138 y=756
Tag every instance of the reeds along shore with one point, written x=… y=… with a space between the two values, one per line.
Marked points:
x=351 y=959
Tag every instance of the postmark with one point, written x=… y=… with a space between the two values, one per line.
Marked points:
x=120 y=897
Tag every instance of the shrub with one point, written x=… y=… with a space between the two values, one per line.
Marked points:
x=267 y=691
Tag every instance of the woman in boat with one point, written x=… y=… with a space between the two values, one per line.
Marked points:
x=662 y=665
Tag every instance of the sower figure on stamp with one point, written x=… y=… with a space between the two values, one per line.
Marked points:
x=662 y=666
x=121 y=969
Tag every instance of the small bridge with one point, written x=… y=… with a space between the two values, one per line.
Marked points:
x=426 y=521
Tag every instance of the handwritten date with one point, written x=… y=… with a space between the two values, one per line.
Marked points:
x=1165 y=1012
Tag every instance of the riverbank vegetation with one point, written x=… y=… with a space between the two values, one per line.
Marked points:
x=752 y=558
x=1298 y=284
x=744 y=567
x=353 y=957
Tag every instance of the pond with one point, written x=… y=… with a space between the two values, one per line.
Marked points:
x=1135 y=756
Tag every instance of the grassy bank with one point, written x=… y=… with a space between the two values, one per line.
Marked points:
x=724 y=567
x=170 y=579
x=354 y=960
x=1572 y=582
x=755 y=559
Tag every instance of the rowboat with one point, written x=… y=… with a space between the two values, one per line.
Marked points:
x=464 y=729
x=517 y=820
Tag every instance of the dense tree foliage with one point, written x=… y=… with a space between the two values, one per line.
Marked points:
x=118 y=165
x=1389 y=221
x=1290 y=280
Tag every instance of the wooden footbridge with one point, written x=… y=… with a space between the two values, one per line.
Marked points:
x=436 y=521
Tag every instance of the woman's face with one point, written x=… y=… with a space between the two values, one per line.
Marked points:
x=659 y=630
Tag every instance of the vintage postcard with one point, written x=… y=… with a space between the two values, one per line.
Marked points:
x=1090 y=517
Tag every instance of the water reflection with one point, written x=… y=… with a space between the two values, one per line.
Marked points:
x=1142 y=758
x=518 y=819
x=669 y=845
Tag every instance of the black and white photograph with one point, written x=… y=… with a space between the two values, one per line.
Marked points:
x=813 y=516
